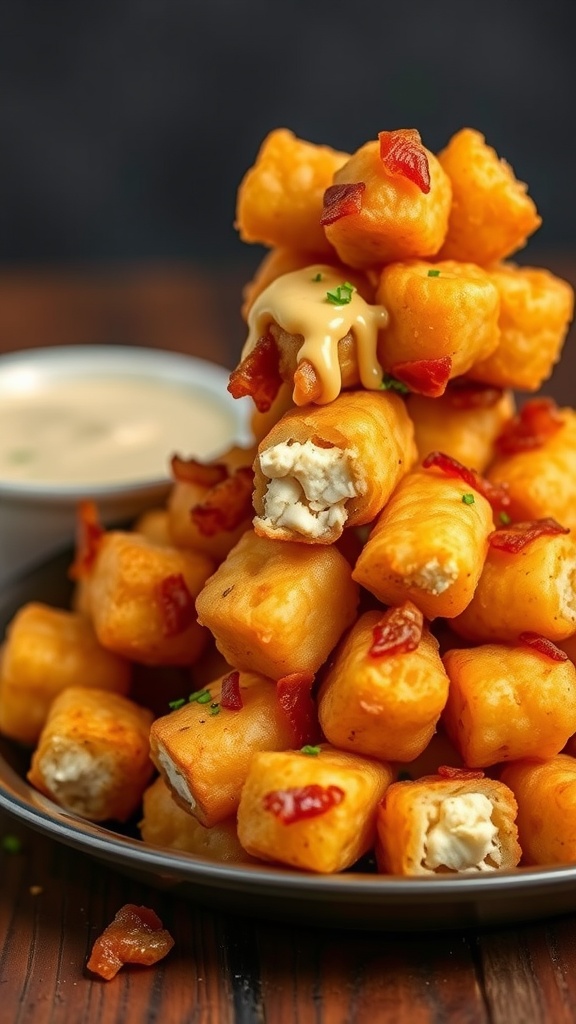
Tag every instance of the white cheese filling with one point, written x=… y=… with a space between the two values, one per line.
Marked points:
x=175 y=779
x=463 y=836
x=308 y=487
x=433 y=577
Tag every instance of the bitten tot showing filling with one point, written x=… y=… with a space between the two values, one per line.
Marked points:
x=461 y=835
x=308 y=487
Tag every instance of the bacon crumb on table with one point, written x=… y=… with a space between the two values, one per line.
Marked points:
x=135 y=936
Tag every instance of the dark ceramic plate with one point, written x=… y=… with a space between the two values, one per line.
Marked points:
x=351 y=900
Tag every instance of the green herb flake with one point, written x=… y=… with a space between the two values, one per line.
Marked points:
x=433 y=273
x=390 y=383
x=467 y=499
x=175 y=704
x=310 y=751
x=318 y=277
x=341 y=295
x=504 y=518
x=11 y=844
x=200 y=696
x=214 y=709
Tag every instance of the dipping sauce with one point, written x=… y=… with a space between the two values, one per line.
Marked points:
x=105 y=430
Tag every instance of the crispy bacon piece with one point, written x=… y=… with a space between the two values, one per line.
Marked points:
x=258 y=374
x=543 y=646
x=341 y=201
x=190 y=471
x=230 y=697
x=295 y=699
x=515 y=537
x=427 y=377
x=176 y=604
x=226 y=505
x=496 y=494
x=135 y=936
x=537 y=421
x=402 y=152
x=307 y=384
x=89 y=533
x=447 y=772
x=300 y=802
x=399 y=631
x=471 y=395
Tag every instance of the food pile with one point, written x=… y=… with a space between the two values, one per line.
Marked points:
x=357 y=637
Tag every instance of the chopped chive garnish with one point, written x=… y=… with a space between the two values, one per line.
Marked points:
x=175 y=704
x=11 y=844
x=198 y=694
x=311 y=751
x=341 y=295
x=204 y=698
x=504 y=518
x=467 y=499
x=318 y=277
x=433 y=273
x=390 y=383
x=214 y=709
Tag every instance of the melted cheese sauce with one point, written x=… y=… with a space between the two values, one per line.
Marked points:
x=298 y=303
x=106 y=430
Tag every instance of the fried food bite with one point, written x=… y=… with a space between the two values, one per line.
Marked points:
x=492 y=215
x=326 y=467
x=545 y=791
x=464 y=422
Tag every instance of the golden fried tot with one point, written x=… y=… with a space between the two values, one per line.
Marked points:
x=165 y=824
x=47 y=650
x=509 y=701
x=438 y=310
x=204 y=748
x=279 y=201
x=452 y=823
x=315 y=811
x=141 y=599
x=535 y=312
x=378 y=210
x=93 y=757
x=492 y=214
x=326 y=467
x=379 y=700
x=536 y=459
x=153 y=525
x=528 y=583
x=545 y=790
x=278 y=608
x=428 y=545
x=464 y=422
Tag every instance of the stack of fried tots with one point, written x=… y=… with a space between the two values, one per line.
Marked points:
x=358 y=636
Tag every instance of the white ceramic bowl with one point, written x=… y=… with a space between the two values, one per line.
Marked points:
x=38 y=508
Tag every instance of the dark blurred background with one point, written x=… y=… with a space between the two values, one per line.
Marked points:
x=126 y=125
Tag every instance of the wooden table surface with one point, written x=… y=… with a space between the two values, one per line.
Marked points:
x=227 y=969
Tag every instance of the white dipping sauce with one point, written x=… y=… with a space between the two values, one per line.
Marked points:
x=104 y=430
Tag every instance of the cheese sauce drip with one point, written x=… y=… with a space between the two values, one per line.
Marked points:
x=298 y=303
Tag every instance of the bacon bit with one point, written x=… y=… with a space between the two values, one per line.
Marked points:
x=89 y=533
x=190 y=471
x=470 y=395
x=176 y=604
x=226 y=505
x=342 y=201
x=496 y=494
x=402 y=152
x=230 y=697
x=538 y=420
x=447 y=772
x=307 y=384
x=514 y=538
x=258 y=374
x=398 y=631
x=300 y=802
x=543 y=646
x=295 y=700
x=135 y=936
x=427 y=377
